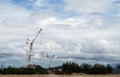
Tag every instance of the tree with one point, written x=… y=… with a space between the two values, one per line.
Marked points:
x=23 y=70
x=118 y=66
x=98 y=69
x=71 y=67
x=86 y=68
x=109 y=68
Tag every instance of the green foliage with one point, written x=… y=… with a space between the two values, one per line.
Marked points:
x=71 y=67
x=109 y=69
x=98 y=69
x=68 y=72
x=58 y=72
x=40 y=70
x=23 y=70
x=85 y=68
x=118 y=66
x=67 y=68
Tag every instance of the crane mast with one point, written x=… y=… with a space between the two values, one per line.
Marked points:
x=29 y=54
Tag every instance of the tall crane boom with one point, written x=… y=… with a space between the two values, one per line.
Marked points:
x=31 y=46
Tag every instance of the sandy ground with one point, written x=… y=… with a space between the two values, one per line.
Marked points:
x=75 y=75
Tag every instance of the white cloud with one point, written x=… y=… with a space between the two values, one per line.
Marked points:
x=38 y=3
x=9 y=10
x=82 y=37
x=88 y=6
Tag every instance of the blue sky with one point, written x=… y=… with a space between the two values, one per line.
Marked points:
x=76 y=30
x=41 y=5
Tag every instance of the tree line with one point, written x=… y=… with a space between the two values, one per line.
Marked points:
x=118 y=66
x=23 y=70
x=66 y=68
x=71 y=67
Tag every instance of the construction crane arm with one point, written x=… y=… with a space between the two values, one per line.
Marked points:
x=27 y=41
x=31 y=45
x=37 y=35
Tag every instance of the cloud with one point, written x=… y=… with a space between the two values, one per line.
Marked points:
x=86 y=6
x=94 y=41
x=91 y=38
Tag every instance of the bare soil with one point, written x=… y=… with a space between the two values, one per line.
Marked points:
x=50 y=75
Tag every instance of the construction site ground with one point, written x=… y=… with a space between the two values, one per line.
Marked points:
x=52 y=75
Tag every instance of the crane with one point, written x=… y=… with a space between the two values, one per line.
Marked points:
x=31 y=47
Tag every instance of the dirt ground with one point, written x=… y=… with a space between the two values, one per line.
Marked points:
x=74 y=75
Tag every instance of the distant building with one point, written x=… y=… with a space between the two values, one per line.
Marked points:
x=98 y=65
x=59 y=68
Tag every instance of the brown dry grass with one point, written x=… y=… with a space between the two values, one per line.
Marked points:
x=73 y=75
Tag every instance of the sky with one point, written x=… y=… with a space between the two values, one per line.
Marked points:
x=81 y=31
